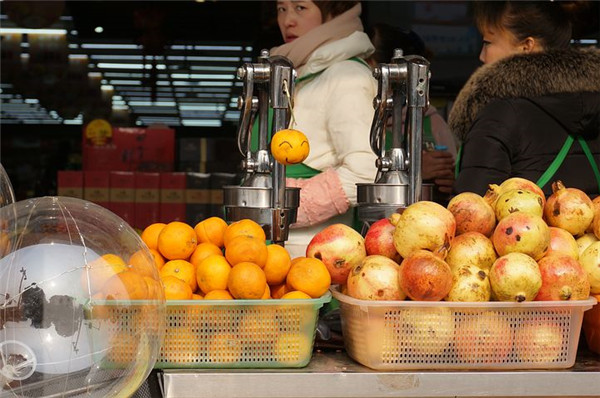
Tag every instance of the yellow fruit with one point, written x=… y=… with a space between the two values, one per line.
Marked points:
x=289 y=147
x=212 y=273
x=150 y=234
x=127 y=285
x=145 y=264
x=211 y=230
x=246 y=281
x=277 y=291
x=278 y=264
x=267 y=294
x=197 y=297
x=181 y=269
x=243 y=227
x=99 y=271
x=177 y=241
x=295 y=294
x=176 y=289
x=218 y=295
x=309 y=275
x=155 y=290
x=244 y=248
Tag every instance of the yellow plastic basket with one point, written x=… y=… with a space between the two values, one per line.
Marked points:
x=400 y=335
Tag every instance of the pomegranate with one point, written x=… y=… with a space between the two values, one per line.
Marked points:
x=596 y=226
x=375 y=278
x=469 y=283
x=584 y=241
x=539 y=341
x=484 y=337
x=524 y=184
x=514 y=200
x=569 y=208
x=423 y=225
x=563 y=278
x=562 y=242
x=492 y=194
x=471 y=248
x=426 y=331
x=522 y=233
x=596 y=221
x=340 y=248
x=590 y=261
x=425 y=276
x=380 y=240
x=515 y=277
x=472 y=213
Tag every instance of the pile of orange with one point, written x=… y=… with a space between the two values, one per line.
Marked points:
x=212 y=260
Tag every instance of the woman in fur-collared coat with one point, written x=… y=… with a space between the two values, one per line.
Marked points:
x=516 y=112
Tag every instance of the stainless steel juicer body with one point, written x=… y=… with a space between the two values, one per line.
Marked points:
x=403 y=82
x=262 y=195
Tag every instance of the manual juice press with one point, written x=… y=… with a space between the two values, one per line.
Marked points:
x=403 y=82
x=262 y=196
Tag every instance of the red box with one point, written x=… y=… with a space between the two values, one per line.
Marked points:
x=70 y=183
x=147 y=199
x=122 y=195
x=95 y=187
x=172 y=197
x=130 y=149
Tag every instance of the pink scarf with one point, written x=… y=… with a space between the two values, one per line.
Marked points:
x=299 y=50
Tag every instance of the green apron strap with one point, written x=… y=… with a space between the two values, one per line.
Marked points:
x=588 y=154
x=458 y=159
x=558 y=160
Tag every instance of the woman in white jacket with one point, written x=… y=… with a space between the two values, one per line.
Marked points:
x=333 y=107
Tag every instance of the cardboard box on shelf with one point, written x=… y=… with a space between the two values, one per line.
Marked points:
x=128 y=149
x=197 y=197
x=70 y=183
x=172 y=197
x=122 y=195
x=96 y=185
x=147 y=199
x=217 y=182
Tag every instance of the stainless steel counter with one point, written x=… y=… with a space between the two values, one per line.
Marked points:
x=334 y=374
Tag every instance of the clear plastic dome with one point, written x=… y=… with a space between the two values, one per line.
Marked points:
x=82 y=309
x=7 y=194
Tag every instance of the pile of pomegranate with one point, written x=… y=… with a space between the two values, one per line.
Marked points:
x=513 y=244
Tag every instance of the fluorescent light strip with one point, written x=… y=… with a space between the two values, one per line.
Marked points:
x=195 y=58
x=73 y=121
x=112 y=65
x=33 y=31
x=214 y=68
x=217 y=48
x=150 y=103
x=118 y=57
x=126 y=82
x=202 y=107
x=201 y=76
x=106 y=46
x=201 y=123
x=202 y=83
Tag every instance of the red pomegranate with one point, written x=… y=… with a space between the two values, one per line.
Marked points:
x=522 y=233
x=562 y=242
x=472 y=213
x=425 y=276
x=375 y=278
x=380 y=240
x=563 y=278
x=569 y=208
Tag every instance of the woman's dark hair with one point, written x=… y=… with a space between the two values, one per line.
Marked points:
x=549 y=22
x=386 y=38
x=331 y=9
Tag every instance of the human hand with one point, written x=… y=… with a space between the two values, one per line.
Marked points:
x=437 y=165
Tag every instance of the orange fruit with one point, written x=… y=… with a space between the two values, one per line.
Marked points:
x=218 y=295
x=150 y=234
x=309 y=275
x=99 y=271
x=277 y=291
x=212 y=273
x=204 y=250
x=267 y=294
x=197 y=296
x=295 y=294
x=211 y=230
x=246 y=281
x=155 y=289
x=176 y=289
x=224 y=347
x=144 y=263
x=278 y=264
x=181 y=345
x=127 y=285
x=181 y=269
x=243 y=227
x=289 y=146
x=245 y=248
x=177 y=241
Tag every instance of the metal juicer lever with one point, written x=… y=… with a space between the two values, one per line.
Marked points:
x=262 y=195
